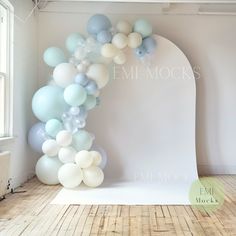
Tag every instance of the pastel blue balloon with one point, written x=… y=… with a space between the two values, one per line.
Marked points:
x=149 y=44
x=140 y=51
x=83 y=113
x=103 y=154
x=104 y=36
x=143 y=27
x=53 y=127
x=73 y=41
x=81 y=79
x=75 y=95
x=37 y=136
x=48 y=103
x=82 y=140
x=90 y=102
x=54 y=56
x=98 y=23
x=91 y=87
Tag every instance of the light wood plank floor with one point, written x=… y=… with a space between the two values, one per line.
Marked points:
x=29 y=213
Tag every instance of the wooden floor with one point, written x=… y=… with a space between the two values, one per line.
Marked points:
x=30 y=213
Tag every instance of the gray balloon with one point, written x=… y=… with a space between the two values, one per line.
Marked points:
x=36 y=136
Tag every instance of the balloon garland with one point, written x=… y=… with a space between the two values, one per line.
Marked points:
x=62 y=106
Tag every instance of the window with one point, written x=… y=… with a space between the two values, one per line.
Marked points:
x=5 y=68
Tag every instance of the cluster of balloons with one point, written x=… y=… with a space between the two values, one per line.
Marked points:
x=70 y=156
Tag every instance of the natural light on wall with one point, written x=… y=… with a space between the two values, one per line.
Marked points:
x=5 y=69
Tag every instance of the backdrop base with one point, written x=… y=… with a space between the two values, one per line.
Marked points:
x=128 y=193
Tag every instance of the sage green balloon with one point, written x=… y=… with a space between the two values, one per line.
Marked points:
x=53 y=127
x=143 y=27
x=90 y=102
x=82 y=140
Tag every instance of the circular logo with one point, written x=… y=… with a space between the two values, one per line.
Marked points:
x=206 y=194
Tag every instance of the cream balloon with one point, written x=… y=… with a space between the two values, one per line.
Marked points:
x=99 y=73
x=134 y=40
x=124 y=27
x=67 y=154
x=50 y=147
x=64 y=138
x=120 y=40
x=70 y=175
x=109 y=50
x=120 y=59
x=97 y=158
x=64 y=74
x=84 y=159
x=93 y=176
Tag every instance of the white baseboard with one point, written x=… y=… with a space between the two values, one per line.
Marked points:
x=216 y=170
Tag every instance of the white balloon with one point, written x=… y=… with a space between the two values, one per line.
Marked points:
x=84 y=159
x=70 y=175
x=82 y=68
x=64 y=138
x=120 y=40
x=50 y=147
x=64 y=74
x=99 y=73
x=93 y=176
x=124 y=27
x=47 y=168
x=134 y=40
x=109 y=50
x=80 y=53
x=97 y=158
x=67 y=154
x=120 y=59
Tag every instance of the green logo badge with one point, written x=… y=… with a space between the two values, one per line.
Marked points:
x=207 y=194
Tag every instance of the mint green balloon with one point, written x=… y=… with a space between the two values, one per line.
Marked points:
x=90 y=102
x=54 y=56
x=82 y=140
x=48 y=103
x=53 y=127
x=73 y=41
x=143 y=27
x=75 y=95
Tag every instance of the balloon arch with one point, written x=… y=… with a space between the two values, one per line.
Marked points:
x=62 y=106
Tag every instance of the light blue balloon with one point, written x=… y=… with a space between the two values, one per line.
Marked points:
x=48 y=103
x=98 y=23
x=91 y=87
x=37 y=136
x=75 y=95
x=149 y=44
x=73 y=41
x=140 y=51
x=104 y=36
x=82 y=140
x=143 y=27
x=90 y=102
x=81 y=79
x=83 y=113
x=53 y=127
x=54 y=56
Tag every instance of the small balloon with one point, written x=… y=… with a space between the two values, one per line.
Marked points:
x=140 y=51
x=104 y=37
x=73 y=40
x=103 y=154
x=50 y=147
x=109 y=50
x=90 y=102
x=67 y=155
x=64 y=138
x=53 y=126
x=74 y=111
x=81 y=79
x=80 y=53
x=143 y=27
x=120 y=40
x=82 y=140
x=54 y=56
x=83 y=159
x=134 y=40
x=124 y=27
x=83 y=113
x=91 y=87
x=93 y=176
x=149 y=44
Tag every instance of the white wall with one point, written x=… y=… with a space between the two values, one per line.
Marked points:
x=25 y=83
x=208 y=42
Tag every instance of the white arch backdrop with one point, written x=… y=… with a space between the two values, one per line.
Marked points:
x=147 y=125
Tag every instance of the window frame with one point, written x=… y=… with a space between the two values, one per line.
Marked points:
x=8 y=76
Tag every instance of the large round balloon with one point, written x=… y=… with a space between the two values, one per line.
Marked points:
x=64 y=74
x=99 y=73
x=37 y=136
x=73 y=41
x=93 y=176
x=98 y=23
x=75 y=95
x=48 y=103
x=54 y=56
x=70 y=175
x=82 y=140
x=47 y=170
